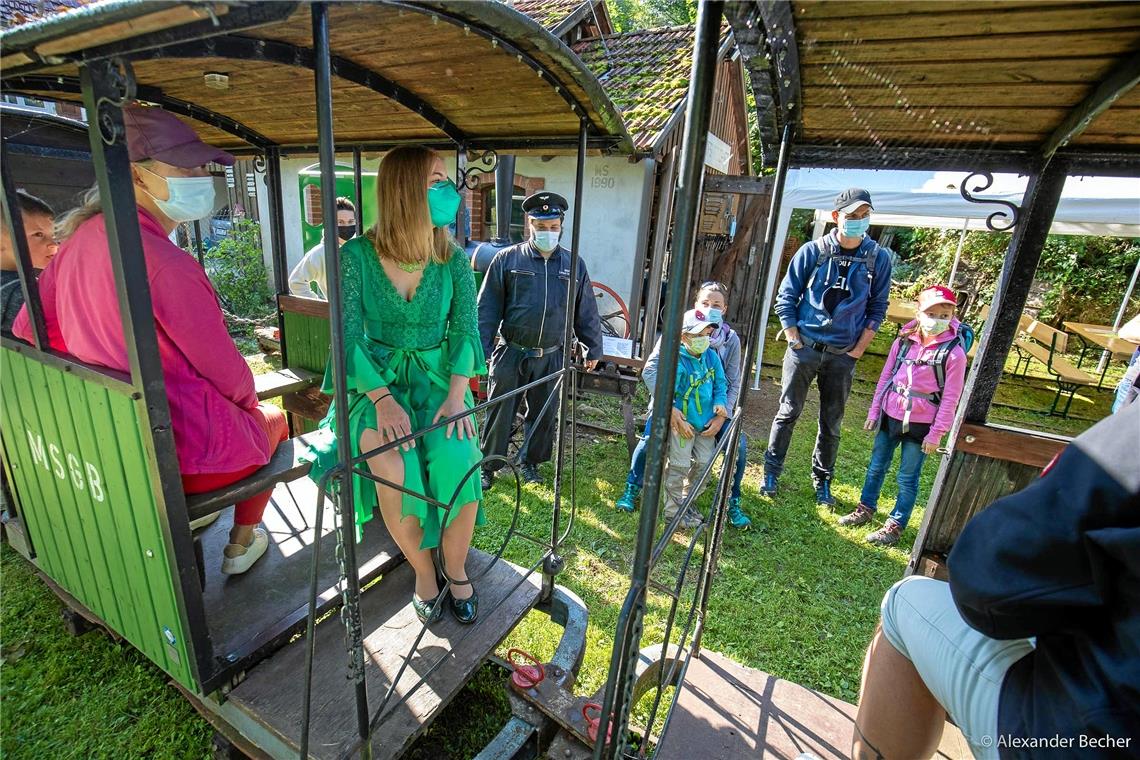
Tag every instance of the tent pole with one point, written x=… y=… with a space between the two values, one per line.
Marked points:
x=1120 y=314
x=958 y=253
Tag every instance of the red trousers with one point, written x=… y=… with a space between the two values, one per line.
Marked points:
x=249 y=511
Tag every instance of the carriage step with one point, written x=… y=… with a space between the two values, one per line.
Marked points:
x=725 y=710
x=288 y=380
x=285 y=465
x=272 y=693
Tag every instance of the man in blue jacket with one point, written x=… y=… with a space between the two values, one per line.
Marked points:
x=1033 y=647
x=830 y=304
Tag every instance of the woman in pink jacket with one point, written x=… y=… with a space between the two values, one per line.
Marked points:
x=221 y=433
x=913 y=407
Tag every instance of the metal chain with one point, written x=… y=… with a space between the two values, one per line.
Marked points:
x=355 y=663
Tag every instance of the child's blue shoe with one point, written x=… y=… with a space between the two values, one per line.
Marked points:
x=736 y=516
x=823 y=494
x=770 y=486
x=628 y=500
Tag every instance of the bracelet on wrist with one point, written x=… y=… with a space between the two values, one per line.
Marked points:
x=381 y=398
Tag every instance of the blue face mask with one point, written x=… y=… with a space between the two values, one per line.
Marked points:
x=443 y=201
x=546 y=240
x=715 y=315
x=856 y=227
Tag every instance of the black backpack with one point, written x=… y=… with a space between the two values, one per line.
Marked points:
x=936 y=361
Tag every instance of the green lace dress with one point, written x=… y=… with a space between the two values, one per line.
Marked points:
x=413 y=348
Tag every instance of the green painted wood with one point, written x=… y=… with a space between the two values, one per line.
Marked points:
x=88 y=498
x=306 y=341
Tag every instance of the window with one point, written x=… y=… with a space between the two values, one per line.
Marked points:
x=517 y=231
x=313 y=214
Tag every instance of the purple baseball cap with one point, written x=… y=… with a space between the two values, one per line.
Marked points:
x=154 y=133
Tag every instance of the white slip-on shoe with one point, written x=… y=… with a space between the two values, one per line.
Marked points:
x=236 y=559
x=202 y=522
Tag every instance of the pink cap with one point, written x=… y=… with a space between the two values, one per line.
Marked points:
x=154 y=133
x=936 y=294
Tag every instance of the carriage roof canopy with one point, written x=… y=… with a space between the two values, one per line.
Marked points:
x=481 y=74
x=887 y=83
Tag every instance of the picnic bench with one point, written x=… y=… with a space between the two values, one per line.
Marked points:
x=1046 y=344
x=1102 y=337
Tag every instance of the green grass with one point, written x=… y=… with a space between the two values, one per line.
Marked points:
x=797 y=596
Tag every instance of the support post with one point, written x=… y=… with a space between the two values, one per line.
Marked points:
x=554 y=562
x=1038 y=207
x=106 y=84
x=618 y=696
x=14 y=224
x=358 y=188
x=1104 y=356
x=199 y=249
x=958 y=253
x=461 y=184
x=273 y=186
x=327 y=153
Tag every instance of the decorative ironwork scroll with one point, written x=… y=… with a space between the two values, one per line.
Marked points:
x=992 y=221
x=260 y=163
x=484 y=163
x=123 y=81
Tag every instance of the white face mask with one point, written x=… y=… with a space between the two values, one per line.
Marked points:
x=932 y=326
x=190 y=197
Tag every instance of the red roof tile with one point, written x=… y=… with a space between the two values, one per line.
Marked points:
x=17 y=12
x=549 y=13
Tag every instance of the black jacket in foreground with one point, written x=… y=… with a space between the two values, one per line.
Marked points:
x=523 y=298
x=1060 y=560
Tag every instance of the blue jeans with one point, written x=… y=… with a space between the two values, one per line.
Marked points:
x=909 y=469
x=636 y=475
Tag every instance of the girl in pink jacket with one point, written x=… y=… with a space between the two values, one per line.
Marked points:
x=913 y=407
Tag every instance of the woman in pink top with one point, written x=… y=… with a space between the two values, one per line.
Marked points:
x=221 y=433
x=912 y=407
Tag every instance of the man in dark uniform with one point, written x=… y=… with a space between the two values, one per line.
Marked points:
x=522 y=314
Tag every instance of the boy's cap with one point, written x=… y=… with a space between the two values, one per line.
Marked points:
x=935 y=295
x=851 y=199
x=155 y=133
x=695 y=321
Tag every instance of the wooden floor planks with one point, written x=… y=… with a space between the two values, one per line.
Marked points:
x=728 y=712
x=238 y=607
x=273 y=692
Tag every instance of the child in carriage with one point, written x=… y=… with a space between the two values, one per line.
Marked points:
x=913 y=406
x=699 y=411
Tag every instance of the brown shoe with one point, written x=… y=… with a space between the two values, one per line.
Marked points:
x=861 y=516
x=888 y=535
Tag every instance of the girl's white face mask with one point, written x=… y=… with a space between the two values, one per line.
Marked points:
x=932 y=326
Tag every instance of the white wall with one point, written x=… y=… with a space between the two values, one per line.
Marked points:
x=613 y=191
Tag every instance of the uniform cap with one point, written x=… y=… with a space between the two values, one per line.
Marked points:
x=545 y=205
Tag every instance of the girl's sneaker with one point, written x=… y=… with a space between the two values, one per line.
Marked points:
x=861 y=516
x=236 y=559
x=888 y=535
x=736 y=516
x=628 y=500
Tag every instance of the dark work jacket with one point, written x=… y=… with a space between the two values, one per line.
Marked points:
x=523 y=298
x=1060 y=560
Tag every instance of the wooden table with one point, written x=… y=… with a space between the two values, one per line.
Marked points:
x=901 y=312
x=1101 y=337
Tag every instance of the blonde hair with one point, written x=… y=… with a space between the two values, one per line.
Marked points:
x=91 y=205
x=403 y=232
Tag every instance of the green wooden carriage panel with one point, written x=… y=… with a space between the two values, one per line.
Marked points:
x=87 y=496
x=306 y=341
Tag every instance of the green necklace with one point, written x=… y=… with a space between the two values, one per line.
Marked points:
x=413 y=267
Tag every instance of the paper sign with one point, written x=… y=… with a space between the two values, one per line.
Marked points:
x=612 y=346
x=718 y=154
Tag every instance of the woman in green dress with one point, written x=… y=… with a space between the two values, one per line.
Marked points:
x=411 y=342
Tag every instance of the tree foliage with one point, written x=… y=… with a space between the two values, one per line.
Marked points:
x=633 y=15
x=237 y=271
x=1080 y=278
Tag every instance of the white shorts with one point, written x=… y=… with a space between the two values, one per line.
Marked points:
x=963 y=668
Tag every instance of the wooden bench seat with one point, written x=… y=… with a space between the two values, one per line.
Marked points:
x=285 y=465
x=288 y=380
x=1046 y=345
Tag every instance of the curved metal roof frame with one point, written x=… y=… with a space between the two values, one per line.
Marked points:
x=766 y=33
x=504 y=27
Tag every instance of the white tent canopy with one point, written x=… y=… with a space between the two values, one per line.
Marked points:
x=1102 y=206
